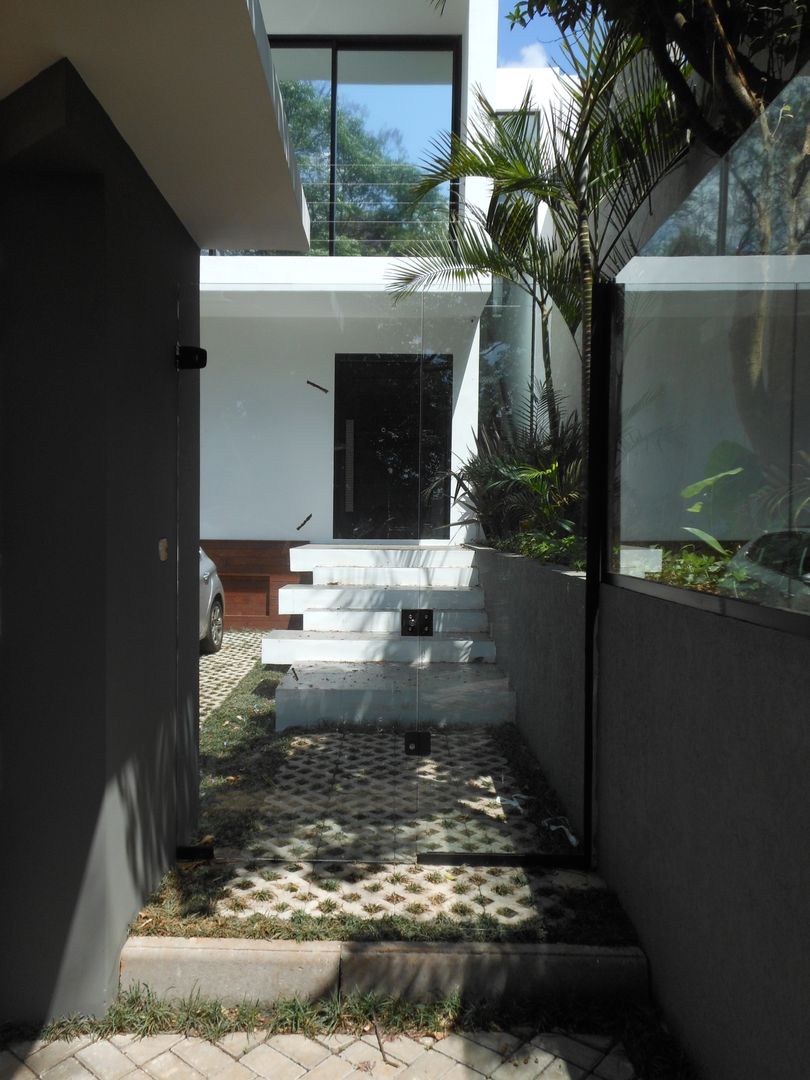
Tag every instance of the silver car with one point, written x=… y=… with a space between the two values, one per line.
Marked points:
x=774 y=569
x=212 y=606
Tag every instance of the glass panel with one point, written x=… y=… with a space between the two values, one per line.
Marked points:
x=504 y=777
x=506 y=359
x=714 y=440
x=305 y=78
x=757 y=201
x=390 y=105
x=314 y=785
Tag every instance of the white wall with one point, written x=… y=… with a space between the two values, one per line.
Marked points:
x=267 y=436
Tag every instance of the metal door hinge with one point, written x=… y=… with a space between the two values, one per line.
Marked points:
x=417 y=622
x=417 y=742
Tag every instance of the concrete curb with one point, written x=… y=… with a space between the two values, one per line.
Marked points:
x=235 y=969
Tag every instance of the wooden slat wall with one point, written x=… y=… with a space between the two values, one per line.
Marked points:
x=252 y=572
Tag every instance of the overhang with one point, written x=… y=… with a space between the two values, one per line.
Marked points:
x=337 y=287
x=189 y=84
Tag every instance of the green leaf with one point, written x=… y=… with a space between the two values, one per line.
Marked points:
x=707 y=538
x=695 y=508
x=701 y=486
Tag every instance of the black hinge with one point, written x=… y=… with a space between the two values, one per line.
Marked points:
x=417 y=622
x=417 y=742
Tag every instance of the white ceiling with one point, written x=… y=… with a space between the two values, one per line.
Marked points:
x=319 y=17
x=189 y=85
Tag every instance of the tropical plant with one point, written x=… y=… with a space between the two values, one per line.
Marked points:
x=593 y=157
x=524 y=477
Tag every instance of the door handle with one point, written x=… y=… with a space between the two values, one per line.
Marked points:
x=206 y=576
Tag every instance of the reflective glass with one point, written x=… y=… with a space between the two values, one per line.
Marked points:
x=714 y=445
x=305 y=78
x=390 y=105
x=757 y=202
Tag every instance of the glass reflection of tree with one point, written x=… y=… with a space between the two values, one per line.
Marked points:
x=373 y=215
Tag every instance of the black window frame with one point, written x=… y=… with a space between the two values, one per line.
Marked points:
x=376 y=43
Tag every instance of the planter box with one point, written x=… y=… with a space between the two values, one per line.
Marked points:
x=537 y=619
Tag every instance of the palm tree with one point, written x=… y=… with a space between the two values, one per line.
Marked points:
x=593 y=157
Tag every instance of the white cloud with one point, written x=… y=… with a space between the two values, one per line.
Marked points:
x=531 y=56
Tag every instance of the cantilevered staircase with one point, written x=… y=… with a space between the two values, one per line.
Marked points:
x=351 y=662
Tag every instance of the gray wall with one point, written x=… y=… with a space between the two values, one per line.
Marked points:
x=98 y=655
x=537 y=617
x=703 y=759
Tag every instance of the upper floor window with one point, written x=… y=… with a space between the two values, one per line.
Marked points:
x=362 y=116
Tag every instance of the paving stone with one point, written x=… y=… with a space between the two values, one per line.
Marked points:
x=462 y=1072
x=105 y=1060
x=122 y=1041
x=23 y=1048
x=598 y=1042
x=302 y=1050
x=269 y=1063
x=337 y=1042
x=51 y=1054
x=234 y=1071
x=202 y=1056
x=466 y=1052
x=526 y=1064
x=563 y=1046
x=332 y=1068
x=401 y=1048
x=616 y=1066
x=68 y=1069
x=170 y=1067
x=11 y=1068
x=360 y=1052
x=503 y=1042
x=324 y=805
x=220 y=672
x=564 y=1070
x=239 y=1042
x=150 y=1046
x=429 y=1066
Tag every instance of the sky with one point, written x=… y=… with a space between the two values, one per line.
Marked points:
x=530 y=46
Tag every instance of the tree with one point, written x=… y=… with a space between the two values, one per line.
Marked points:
x=743 y=51
x=593 y=157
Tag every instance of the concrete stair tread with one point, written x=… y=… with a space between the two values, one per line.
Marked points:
x=434 y=694
x=296 y=599
x=372 y=676
x=356 y=554
x=364 y=635
x=389 y=588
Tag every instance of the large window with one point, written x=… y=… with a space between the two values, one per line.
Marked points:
x=362 y=120
x=712 y=381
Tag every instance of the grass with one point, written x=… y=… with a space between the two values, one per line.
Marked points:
x=141 y=1012
x=240 y=753
x=186 y=906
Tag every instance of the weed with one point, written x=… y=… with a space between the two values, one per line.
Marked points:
x=417 y=909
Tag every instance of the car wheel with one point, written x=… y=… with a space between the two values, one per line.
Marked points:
x=212 y=642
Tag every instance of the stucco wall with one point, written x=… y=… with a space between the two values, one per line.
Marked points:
x=267 y=457
x=98 y=743
x=703 y=757
x=537 y=619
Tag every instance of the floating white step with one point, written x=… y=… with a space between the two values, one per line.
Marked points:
x=424 y=577
x=312 y=646
x=296 y=599
x=389 y=622
x=308 y=556
x=434 y=696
